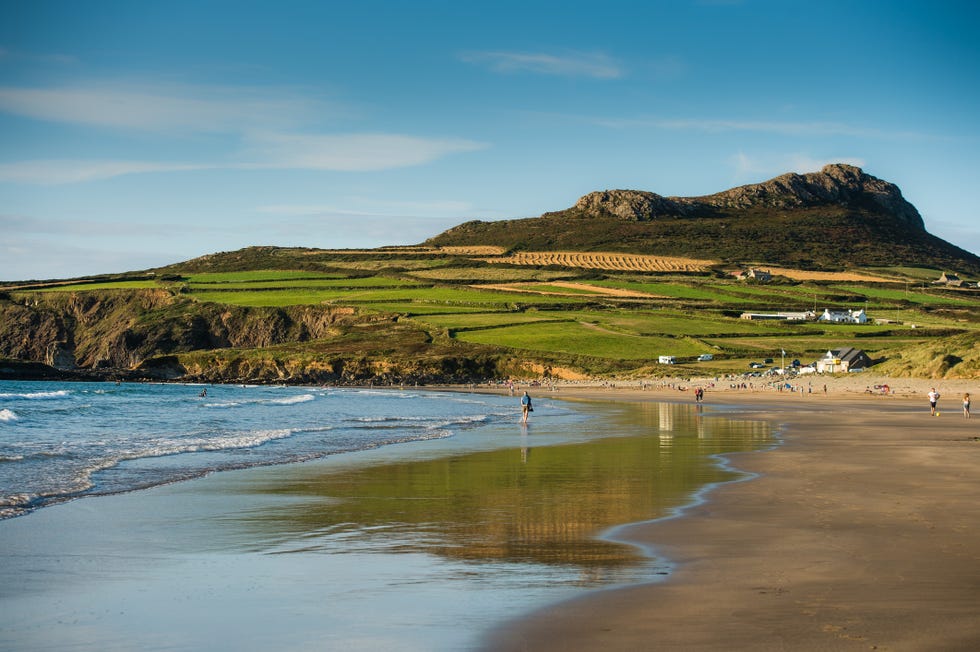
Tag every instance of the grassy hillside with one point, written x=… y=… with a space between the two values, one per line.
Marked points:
x=425 y=315
x=830 y=237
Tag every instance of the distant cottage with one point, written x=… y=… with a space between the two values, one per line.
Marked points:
x=948 y=279
x=755 y=274
x=844 y=316
x=843 y=360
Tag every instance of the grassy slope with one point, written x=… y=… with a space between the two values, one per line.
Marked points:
x=557 y=327
x=808 y=238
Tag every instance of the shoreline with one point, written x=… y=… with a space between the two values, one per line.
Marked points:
x=859 y=532
x=308 y=541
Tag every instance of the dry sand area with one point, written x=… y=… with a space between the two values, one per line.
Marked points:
x=861 y=532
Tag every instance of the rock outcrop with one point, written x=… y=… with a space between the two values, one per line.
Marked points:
x=633 y=205
x=836 y=184
x=837 y=218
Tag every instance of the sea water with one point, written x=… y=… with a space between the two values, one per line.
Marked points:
x=66 y=440
x=412 y=520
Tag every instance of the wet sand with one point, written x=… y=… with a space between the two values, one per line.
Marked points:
x=862 y=532
x=409 y=547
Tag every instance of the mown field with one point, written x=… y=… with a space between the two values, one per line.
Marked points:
x=576 y=309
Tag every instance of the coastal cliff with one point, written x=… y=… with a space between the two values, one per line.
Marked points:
x=159 y=335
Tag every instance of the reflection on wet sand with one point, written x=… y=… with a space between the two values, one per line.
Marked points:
x=543 y=505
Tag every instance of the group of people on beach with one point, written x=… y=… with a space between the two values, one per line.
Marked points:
x=934 y=399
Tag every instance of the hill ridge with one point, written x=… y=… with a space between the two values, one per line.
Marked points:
x=836 y=218
x=837 y=183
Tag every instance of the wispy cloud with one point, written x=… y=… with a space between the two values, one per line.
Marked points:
x=60 y=171
x=349 y=152
x=268 y=130
x=270 y=151
x=573 y=64
x=18 y=55
x=24 y=226
x=163 y=107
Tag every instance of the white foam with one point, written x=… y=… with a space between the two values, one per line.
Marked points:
x=291 y=400
x=14 y=505
x=387 y=419
x=8 y=415
x=37 y=395
x=249 y=439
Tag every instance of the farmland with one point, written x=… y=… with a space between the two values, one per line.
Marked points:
x=597 y=314
x=605 y=261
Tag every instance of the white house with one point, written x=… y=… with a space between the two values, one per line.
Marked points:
x=844 y=316
x=757 y=274
x=949 y=279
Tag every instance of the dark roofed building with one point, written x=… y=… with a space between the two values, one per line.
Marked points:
x=843 y=359
x=855 y=358
x=949 y=279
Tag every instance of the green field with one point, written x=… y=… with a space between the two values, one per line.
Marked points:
x=678 y=315
x=480 y=320
x=489 y=274
x=109 y=285
x=886 y=296
x=580 y=339
x=312 y=284
x=258 y=275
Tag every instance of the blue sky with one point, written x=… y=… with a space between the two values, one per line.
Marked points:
x=137 y=134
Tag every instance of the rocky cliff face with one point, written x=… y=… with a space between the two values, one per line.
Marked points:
x=155 y=334
x=119 y=330
x=837 y=184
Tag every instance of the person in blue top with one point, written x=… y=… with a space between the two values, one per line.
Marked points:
x=525 y=407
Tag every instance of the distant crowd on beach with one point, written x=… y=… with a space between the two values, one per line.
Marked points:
x=837 y=385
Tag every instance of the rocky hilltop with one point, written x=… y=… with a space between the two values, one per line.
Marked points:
x=835 y=185
x=836 y=218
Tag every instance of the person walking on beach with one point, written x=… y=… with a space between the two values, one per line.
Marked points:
x=966 y=405
x=933 y=398
x=525 y=407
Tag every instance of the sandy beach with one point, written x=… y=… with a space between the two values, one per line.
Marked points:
x=860 y=532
